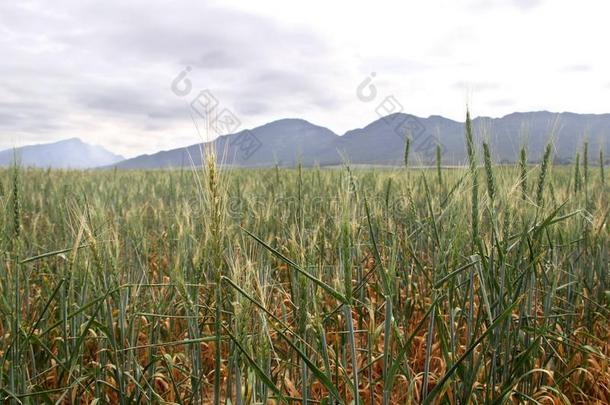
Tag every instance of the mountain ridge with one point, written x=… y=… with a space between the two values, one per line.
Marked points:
x=71 y=153
x=288 y=141
x=382 y=140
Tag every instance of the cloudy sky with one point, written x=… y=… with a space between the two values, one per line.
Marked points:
x=103 y=71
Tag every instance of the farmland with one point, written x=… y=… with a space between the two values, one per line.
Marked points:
x=481 y=284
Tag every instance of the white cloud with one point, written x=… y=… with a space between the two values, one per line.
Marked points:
x=102 y=71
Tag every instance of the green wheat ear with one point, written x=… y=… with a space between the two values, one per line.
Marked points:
x=544 y=167
x=601 y=166
x=523 y=172
x=470 y=149
x=438 y=165
x=407 y=147
x=585 y=163
x=491 y=182
x=577 y=173
x=16 y=203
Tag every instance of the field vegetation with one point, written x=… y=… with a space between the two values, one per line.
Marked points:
x=483 y=284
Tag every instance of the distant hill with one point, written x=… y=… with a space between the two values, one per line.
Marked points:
x=289 y=141
x=286 y=142
x=283 y=142
x=70 y=153
x=381 y=143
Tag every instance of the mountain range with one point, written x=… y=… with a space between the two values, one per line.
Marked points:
x=67 y=154
x=289 y=141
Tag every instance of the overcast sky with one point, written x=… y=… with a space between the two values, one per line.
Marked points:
x=103 y=71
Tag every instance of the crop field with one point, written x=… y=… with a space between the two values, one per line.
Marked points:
x=482 y=284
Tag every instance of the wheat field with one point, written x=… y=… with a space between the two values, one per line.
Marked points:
x=483 y=284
